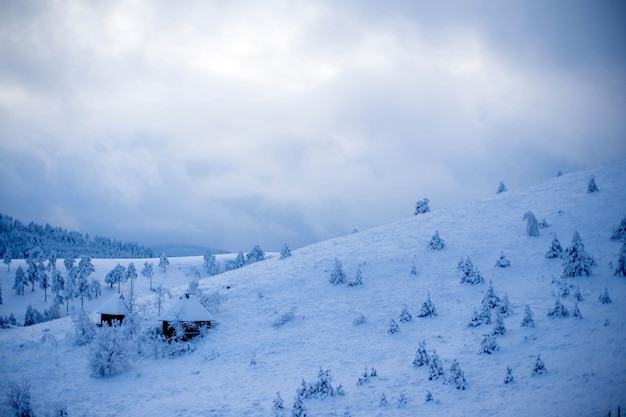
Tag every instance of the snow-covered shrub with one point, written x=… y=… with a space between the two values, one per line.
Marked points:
x=84 y=328
x=604 y=297
x=543 y=224
x=591 y=185
x=539 y=368
x=422 y=206
x=402 y=400
x=527 y=321
x=109 y=353
x=563 y=289
x=405 y=315
x=498 y=329
x=359 y=320
x=480 y=317
x=421 y=357
x=489 y=344
x=393 y=327
x=429 y=396
x=337 y=276
x=504 y=306
x=501 y=188
x=502 y=261
x=509 y=376
x=620 y=270
x=558 y=311
x=284 y=252
x=33 y=316
x=413 y=269
x=278 y=407
x=457 y=377
x=620 y=232
x=255 y=255
x=577 y=295
x=435 y=366
x=383 y=401
x=298 y=409
x=469 y=274
x=490 y=300
x=436 y=242
x=52 y=313
x=532 y=226
x=321 y=389
x=18 y=399
x=577 y=314
x=358 y=280
x=365 y=377
x=428 y=308
x=284 y=318
x=212 y=301
x=576 y=261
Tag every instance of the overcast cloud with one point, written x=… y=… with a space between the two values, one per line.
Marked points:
x=229 y=124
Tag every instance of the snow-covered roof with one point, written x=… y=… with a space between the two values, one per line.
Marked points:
x=187 y=308
x=114 y=306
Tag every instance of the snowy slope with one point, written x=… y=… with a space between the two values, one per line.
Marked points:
x=585 y=358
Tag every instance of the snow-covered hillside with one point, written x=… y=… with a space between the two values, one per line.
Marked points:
x=283 y=321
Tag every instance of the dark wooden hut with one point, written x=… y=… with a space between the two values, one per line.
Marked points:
x=113 y=310
x=187 y=314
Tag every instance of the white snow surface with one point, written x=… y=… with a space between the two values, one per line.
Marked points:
x=585 y=358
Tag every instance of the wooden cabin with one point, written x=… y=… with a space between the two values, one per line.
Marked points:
x=113 y=310
x=187 y=313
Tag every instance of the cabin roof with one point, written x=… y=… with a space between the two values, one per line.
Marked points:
x=114 y=306
x=186 y=308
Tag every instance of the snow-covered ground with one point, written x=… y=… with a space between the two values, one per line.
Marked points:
x=585 y=358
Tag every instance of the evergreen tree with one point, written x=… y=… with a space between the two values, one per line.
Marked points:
x=527 y=321
x=539 y=367
x=148 y=271
x=504 y=306
x=428 y=308
x=604 y=297
x=436 y=243
x=488 y=345
x=620 y=270
x=499 y=329
x=620 y=232
x=20 y=280
x=576 y=261
x=558 y=311
x=210 y=263
x=457 y=377
x=298 y=409
x=532 y=227
x=405 y=315
x=434 y=366
x=422 y=206
x=337 y=276
x=383 y=401
x=255 y=255
x=577 y=295
x=33 y=316
x=83 y=289
x=501 y=188
x=6 y=259
x=285 y=252
x=469 y=274
x=358 y=281
x=402 y=400
x=509 y=376
x=502 y=261
x=429 y=396
x=240 y=260
x=35 y=266
x=591 y=185
x=577 y=314
x=58 y=286
x=393 y=327
x=490 y=300
x=163 y=261
x=414 y=269
x=555 y=250
x=480 y=317
x=277 y=405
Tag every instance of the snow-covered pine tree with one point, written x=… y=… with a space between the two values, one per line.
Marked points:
x=58 y=285
x=33 y=316
x=405 y=315
x=558 y=311
x=436 y=242
x=284 y=252
x=393 y=327
x=498 y=329
x=109 y=352
x=358 y=280
x=555 y=250
x=255 y=255
x=539 y=368
x=83 y=289
x=527 y=321
x=620 y=270
x=20 y=280
x=604 y=297
x=413 y=269
x=488 y=345
x=422 y=206
x=435 y=366
x=148 y=271
x=429 y=396
x=428 y=308
x=502 y=261
x=469 y=274
x=543 y=224
x=490 y=300
x=298 y=409
x=504 y=306
x=240 y=260
x=509 y=376
x=576 y=261
x=591 y=185
x=35 y=266
x=577 y=314
x=337 y=276
x=6 y=258
x=402 y=401
x=532 y=226
x=457 y=377
x=163 y=261
x=210 y=263
x=421 y=356
x=577 y=295
x=480 y=317
x=52 y=313
x=383 y=401
x=278 y=406
x=620 y=232
x=501 y=188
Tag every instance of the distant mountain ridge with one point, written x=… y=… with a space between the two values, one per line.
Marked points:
x=18 y=238
x=181 y=249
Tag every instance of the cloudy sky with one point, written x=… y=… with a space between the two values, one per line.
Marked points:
x=229 y=124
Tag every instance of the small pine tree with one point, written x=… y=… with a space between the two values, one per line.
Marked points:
x=577 y=295
x=539 y=368
x=509 y=376
x=620 y=270
x=620 y=232
x=527 y=321
x=383 y=401
x=604 y=297
x=576 y=261
x=422 y=206
x=502 y=261
x=490 y=300
x=457 y=377
x=358 y=281
x=558 y=311
x=284 y=252
x=480 y=317
x=255 y=255
x=163 y=262
x=469 y=274
x=210 y=263
x=532 y=226
x=393 y=327
x=20 y=280
x=555 y=250
x=591 y=185
x=501 y=188
x=278 y=405
x=429 y=397
x=428 y=308
x=33 y=316
x=6 y=259
x=337 y=276
x=434 y=366
x=405 y=315
x=498 y=329
x=402 y=401
x=577 y=314
x=504 y=306
x=421 y=357
x=414 y=269
x=298 y=409
x=436 y=242
x=488 y=345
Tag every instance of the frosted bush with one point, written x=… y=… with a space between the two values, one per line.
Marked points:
x=422 y=206
x=558 y=311
x=436 y=242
